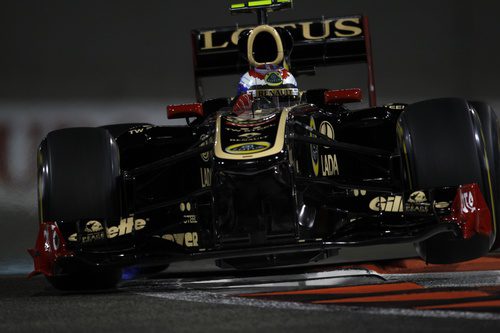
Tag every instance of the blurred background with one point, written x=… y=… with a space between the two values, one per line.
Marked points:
x=95 y=62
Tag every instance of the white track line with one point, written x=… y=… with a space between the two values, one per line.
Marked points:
x=219 y=298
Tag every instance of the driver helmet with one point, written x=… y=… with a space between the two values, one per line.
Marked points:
x=268 y=81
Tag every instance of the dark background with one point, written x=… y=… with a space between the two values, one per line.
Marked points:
x=88 y=63
x=115 y=50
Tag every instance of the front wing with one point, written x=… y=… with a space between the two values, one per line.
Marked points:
x=405 y=218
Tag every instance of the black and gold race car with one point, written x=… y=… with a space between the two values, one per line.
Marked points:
x=276 y=175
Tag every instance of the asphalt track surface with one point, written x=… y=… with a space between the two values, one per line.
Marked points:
x=387 y=296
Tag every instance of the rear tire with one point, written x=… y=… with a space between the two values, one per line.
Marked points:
x=439 y=138
x=78 y=178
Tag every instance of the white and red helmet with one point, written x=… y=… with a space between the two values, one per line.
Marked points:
x=263 y=80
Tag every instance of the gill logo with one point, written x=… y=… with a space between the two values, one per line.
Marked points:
x=390 y=204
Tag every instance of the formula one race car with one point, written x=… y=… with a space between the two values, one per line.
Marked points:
x=274 y=176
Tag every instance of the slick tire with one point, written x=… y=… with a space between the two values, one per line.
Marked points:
x=78 y=174
x=437 y=141
x=78 y=178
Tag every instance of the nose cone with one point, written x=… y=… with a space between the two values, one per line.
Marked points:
x=242 y=139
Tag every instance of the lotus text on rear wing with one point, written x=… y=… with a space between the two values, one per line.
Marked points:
x=330 y=28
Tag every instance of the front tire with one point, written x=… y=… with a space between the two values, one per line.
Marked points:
x=78 y=178
x=441 y=145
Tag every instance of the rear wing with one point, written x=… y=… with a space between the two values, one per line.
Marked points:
x=317 y=42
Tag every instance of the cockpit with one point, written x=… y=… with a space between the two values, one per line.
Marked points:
x=259 y=101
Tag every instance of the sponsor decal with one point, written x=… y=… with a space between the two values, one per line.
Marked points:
x=467 y=202
x=206 y=177
x=139 y=129
x=187 y=218
x=314 y=149
x=249 y=129
x=255 y=123
x=302 y=31
x=417 y=197
x=249 y=135
x=205 y=141
x=329 y=165
x=357 y=192
x=136 y=130
x=126 y=227
x=245 y=150
x=93 y=233
x=248 y=147
x=326 y=129
x=188 y=239
x=396 y=106
x=275 y=92
x=392 y=204
x=442 y=204
x=93 y=226
x=185 y=207
x=273 y=78
x=417 y=203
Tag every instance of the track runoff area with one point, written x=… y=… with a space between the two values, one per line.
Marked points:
x=409 y=287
